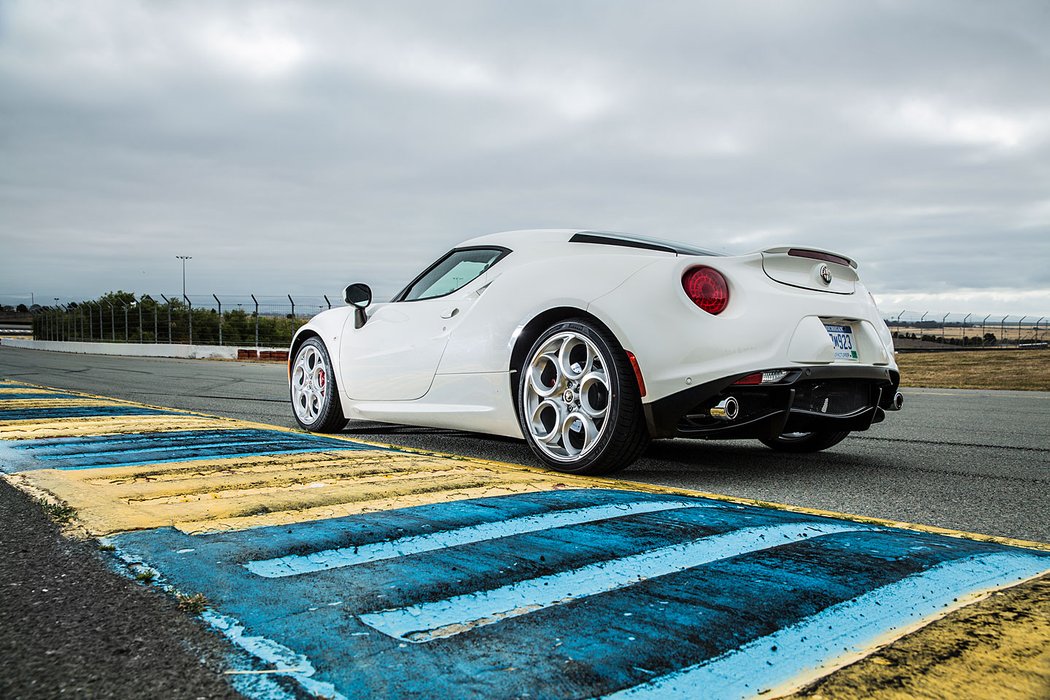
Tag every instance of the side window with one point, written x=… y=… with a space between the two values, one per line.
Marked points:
x=452 y=272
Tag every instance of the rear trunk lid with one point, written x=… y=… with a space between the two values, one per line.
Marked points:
x=811 y=268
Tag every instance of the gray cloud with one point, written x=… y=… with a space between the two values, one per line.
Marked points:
x=293 y=147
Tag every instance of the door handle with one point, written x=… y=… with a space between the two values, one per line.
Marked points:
x=449 y=313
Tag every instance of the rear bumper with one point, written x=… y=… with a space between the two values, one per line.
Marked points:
x=832 y=397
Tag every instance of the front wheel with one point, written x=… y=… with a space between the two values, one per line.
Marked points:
x=578 y=401
x=806 y=442
x=315 y=399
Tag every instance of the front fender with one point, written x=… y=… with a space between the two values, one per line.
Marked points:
x=328 y=326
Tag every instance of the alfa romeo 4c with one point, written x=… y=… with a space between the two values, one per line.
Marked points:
x=588 y=345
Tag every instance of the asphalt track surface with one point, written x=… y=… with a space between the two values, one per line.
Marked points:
x=976 y=461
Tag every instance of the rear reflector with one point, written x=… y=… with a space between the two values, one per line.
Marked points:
x=637 y=372
x=770 y=377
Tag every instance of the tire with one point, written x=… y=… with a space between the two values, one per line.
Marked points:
x=578 y=401
x=805 y=442
x=315 y=396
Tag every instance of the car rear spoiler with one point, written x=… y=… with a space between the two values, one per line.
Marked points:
x=813 y=253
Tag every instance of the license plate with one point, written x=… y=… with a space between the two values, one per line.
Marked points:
x=842 y=339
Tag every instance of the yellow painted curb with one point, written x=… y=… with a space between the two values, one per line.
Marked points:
x=545 y=478
x=995 y=649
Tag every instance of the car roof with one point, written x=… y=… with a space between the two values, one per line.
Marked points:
x=524 y=237
x=545 y=238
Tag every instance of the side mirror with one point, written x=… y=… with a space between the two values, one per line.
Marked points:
x=358 y=296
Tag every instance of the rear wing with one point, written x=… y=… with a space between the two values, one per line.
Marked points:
x=813 y=254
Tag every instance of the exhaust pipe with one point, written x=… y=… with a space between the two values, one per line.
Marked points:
x=898 y=402
x=727 y=409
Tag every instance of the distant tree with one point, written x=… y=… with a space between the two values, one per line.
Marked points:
x=22 y=309
x=989 y=338
x=119 y=297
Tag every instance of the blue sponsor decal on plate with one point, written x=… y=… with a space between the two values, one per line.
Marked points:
x=842 y=341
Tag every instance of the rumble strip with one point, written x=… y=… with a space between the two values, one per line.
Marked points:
x=352 y=569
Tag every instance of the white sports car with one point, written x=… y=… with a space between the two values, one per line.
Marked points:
x=589 y=344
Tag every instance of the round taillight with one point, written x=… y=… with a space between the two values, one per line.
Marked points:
x=707 y=288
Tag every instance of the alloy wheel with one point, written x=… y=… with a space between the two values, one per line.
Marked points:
x=567 y=396
x=309 y=384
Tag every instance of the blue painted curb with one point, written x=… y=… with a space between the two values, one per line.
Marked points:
x=641 y=599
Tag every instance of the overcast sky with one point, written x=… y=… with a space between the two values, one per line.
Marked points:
x=295 y=147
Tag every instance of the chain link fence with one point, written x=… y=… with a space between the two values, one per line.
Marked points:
x=245 y=321
x=930 y=329
x=271 y=320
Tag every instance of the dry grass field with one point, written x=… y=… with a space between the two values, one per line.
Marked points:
x=978 y=369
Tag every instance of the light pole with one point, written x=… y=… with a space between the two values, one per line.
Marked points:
x=189 y=313
x=184 y=258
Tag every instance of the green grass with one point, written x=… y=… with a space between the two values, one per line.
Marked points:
x=195 y=603
x=146 y=576
x=59 y=513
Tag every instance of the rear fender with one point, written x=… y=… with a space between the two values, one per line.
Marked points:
x=485 y=340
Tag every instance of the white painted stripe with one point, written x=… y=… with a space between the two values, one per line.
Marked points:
x=793 y=656
x=445 y=618
x=295 y=564
x=286 y=662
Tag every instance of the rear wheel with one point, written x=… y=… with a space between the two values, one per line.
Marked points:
x=315 y=399
x=578 y=401
x=806 y=442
